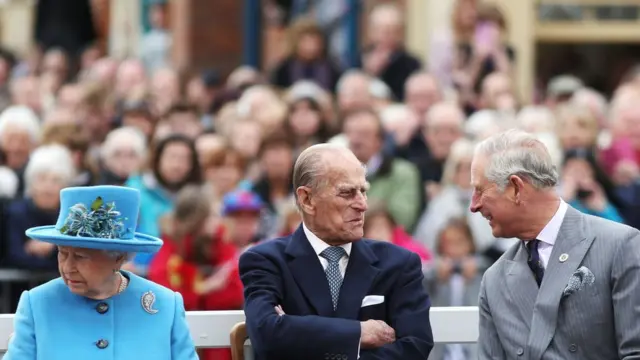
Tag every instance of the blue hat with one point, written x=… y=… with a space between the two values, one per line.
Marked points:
x=241 y=200
x=98 y=217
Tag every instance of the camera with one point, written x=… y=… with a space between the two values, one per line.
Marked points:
x=583 y=194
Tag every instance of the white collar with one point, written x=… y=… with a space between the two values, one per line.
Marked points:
x=318 y=245
x=549 y=233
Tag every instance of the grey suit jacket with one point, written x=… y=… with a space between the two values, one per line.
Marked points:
x=600 y=321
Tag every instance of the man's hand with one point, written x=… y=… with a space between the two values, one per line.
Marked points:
x=376 y=333
x=279 y=310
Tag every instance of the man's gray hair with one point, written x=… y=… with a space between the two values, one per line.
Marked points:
x=310 y=166
x=515 y=152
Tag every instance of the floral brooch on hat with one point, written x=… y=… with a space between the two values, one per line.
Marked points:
x=102 y=220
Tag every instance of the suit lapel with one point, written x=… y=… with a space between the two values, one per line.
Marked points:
x=522 y=286
x=308 y=273
x=571 y=240
x=357 y=280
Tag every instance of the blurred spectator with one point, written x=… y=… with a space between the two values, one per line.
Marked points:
x=379 y=225
x=385 y=56
x=306 y=124
x=275 y=187
x=122 y=155
x=19 y=135
x=155 y=45
x=394 y=182
x=174 y=164
x=484 y=52
x=50 y=170
x=454 y=280
x=308 y=58
x=224 y=169
x=584 y=186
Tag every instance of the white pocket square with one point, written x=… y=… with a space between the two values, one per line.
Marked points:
x=372 y=300
x=580 y=279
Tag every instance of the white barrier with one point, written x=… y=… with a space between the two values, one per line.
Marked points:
x=210 y=329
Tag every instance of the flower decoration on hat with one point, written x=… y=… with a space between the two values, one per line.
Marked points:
x=102 y=220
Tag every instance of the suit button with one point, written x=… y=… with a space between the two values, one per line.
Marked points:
x=573 y=348
x=102 y=308
x=520 y=351
x=102 y=344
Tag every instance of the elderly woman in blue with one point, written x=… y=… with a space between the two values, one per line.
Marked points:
x=94 y=310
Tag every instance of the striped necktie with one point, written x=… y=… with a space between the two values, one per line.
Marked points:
x=534 y=261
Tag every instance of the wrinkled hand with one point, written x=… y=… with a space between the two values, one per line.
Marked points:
x=376 y=333
x=39 y=248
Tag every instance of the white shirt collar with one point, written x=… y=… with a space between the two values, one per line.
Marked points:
x=549 y=233
x=318 y=245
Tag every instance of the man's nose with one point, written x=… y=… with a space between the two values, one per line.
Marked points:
x=475 y=206
x=361 y=203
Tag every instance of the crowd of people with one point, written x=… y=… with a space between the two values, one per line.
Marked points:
x=213 y=157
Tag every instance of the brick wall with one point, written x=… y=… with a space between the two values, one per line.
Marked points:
x=207 y=34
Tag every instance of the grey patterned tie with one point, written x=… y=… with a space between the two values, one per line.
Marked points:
x=333 y=254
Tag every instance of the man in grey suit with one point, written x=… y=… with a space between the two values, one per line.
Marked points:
x=571 y=288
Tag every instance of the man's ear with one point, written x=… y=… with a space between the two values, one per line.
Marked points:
x=518 y=188
x=305 y=201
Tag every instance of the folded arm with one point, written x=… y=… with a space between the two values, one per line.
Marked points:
x=285 y=336
x=409 y=306
x=625 y=294
x=489 y=347
x=23 y=342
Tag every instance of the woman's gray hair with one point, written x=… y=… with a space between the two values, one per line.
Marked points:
x=462 y=149
x=8 y=182
x=128 y=135
x=23 y=118
x=118 y=254
x=55 y=159
x=515 y=152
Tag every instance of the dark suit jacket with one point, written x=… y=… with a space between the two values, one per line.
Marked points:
x=287 y=272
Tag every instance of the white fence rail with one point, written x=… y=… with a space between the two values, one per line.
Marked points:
x=210 y=329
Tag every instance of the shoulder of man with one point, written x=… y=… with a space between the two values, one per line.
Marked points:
x=384 y=249
x=272 y=246
x=608 y=231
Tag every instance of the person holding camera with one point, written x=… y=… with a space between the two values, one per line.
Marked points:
x=453 y=279
x=585 y=187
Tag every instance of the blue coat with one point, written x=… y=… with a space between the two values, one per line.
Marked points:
x=287 y=272
x=52 y=323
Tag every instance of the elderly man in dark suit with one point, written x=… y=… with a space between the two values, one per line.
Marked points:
x=571 y=288
x=326 y=293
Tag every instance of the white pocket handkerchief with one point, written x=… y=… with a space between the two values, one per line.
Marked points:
x=580 y=279
x=372 y=300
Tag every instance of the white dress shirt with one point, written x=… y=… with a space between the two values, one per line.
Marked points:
x=319 y=246
x=549 y=233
